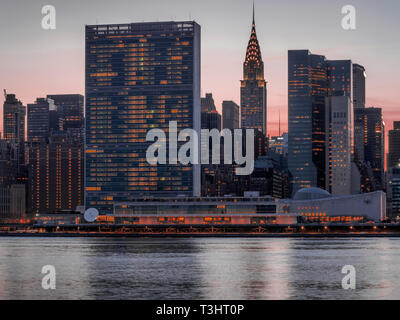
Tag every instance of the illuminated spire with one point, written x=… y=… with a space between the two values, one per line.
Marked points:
x=253 y=52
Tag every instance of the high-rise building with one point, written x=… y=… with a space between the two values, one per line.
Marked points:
x=139 y=76
x=14 y=113
x=394 y=145
x=359 y=76
x=71 y=109
x=312 y=78
x=253 y=90
x=230 y=115
x=393 y=192
x=372 y=148
x=56 y=173
x=338 y=179
x=38 y=120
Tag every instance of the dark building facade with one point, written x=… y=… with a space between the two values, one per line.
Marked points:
x=139 y=76
x=372 y=148
x=253 y=89
x=230 y=115
x=394 y=145
x=71 y=109
x=56 y=173
x=210 y=118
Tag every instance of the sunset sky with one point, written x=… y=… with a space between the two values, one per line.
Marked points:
x=36 y=62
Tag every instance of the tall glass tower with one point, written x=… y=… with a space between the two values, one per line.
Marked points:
x=139 y=76
x=253 y=91
x=311 y=79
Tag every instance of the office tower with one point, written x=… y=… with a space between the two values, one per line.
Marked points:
x=312 y=78
x=14 y=128
x=210 y=118
x=230 y=115
x=71 y=109
x=338 y=179
x=359 y=76
x=394 y=145
x=139 y=76
x=13 y=119
x=56 y=173
x=372 y=164
x=253 y=90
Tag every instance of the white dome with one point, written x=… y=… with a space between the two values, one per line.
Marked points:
x=311 y=194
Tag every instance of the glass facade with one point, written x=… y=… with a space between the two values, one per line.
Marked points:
x=139 y=76
x=312 y=78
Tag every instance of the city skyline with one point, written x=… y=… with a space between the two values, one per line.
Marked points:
x=61 y=51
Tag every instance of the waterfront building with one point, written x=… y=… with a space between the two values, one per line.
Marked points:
x=56 y=173
x=393 y=191
x=230 y=115
x=12 y=193
x=318 y=205
x=139 y=76
x=253 y=89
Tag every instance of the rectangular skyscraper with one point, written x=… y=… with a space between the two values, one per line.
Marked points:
x=338 y=180
x=394 y=145
x=71 y=109
x=359 y=76
x=139 y=76
x=313 y=78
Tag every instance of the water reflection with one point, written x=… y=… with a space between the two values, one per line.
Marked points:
x=208 y=268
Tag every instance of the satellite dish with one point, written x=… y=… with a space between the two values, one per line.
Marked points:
x=91 y=214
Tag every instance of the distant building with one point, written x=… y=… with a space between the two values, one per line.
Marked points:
x=253 y=90
x=72 y=111
x=12 y=191
x=210 y=118
x=230 y=115
x=14 y=113
x=279 y=144
x=394 y=145
x=139 y=76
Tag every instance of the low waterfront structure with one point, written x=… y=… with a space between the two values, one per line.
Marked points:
x=317 y=205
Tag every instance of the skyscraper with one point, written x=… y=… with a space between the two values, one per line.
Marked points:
x=139 y=76
x=56 y=173
x=253 y=90
x=313 y=78
x=38 y=120
x=14 y=128
x=394 y=145
x=359 y=76
x=374 y=148
x=230 y=115
x=338 y=179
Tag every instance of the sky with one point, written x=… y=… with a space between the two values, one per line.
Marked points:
x=35 y=62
